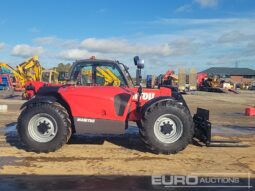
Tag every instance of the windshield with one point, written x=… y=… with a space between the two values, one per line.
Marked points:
x=98 y=73
x=125 y=69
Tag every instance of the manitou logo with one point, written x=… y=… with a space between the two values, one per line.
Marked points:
x=85 y=120
x=144 y=96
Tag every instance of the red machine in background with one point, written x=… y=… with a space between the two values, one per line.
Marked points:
x=200 y=78
x=169 y=79
x=31 y=87
x=214 y=83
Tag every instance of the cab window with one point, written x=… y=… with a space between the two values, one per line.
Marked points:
x=84 y=76
x=99 y=74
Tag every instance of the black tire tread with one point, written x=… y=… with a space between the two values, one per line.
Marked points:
x=64 y=116
x=169 y=103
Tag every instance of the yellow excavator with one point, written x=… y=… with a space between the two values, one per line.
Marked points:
x=109 y=77
x=50 y=76
x=29 y=70
x=30 y=73
x=19 y=80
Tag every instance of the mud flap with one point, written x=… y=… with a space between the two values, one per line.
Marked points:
x=203 y=126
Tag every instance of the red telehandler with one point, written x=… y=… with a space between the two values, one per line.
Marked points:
x=165 y=123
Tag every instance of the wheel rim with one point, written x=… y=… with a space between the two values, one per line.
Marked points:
x=168 y=128
x=42 y=128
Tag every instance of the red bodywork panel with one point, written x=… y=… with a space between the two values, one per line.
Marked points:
x=37 y=85
x=30 y=93
x=97 y=102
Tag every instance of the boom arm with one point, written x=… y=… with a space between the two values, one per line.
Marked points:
x=108 y=75
x=17 y=76
x=31 y=69
x=26 y=71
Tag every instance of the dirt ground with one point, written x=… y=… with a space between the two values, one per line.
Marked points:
x=126 y=156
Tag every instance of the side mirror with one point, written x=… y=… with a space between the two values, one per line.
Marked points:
x=140 y=65
x=138 y=62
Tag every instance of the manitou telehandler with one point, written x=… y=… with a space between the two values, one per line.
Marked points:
x=162 y=116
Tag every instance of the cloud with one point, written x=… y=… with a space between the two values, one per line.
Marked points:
x=57 y=42
x=45 y=40
x=235 y=36
x=250 y=49
x=184 y=8
x=2 y=45
x=75 y=54
x=202 y=3
x=71 y=43
x=207 y=3
x=216 y=21
x=184 y=46
x=154 y=54
x=25 y=50
x=123 y=46
x=185 y=43
x=217 y=41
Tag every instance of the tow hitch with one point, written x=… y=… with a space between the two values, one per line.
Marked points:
x=203 y=131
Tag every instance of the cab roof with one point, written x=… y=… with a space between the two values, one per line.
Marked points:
x=94 y=61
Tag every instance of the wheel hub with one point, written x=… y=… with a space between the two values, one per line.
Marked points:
x=42 y=127
x=166 y=128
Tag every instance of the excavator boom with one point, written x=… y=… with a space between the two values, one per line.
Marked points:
x=16 y=74
x=109 y=76
x=29 y=70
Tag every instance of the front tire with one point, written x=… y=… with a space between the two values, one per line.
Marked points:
x=167 y=127
x=44 y=127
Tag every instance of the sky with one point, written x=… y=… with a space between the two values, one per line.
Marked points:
x=167 y=34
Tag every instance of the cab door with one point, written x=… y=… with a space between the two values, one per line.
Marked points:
x=98 y=109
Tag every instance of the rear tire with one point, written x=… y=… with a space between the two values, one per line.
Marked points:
x=167 y=127
x=44 y=127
